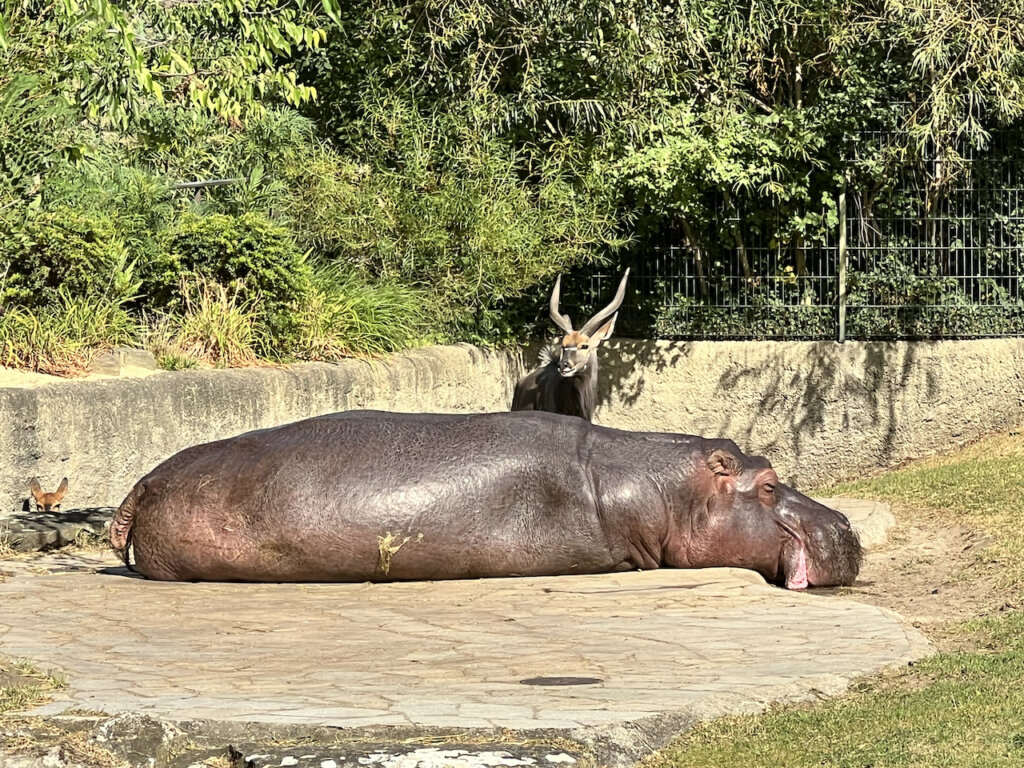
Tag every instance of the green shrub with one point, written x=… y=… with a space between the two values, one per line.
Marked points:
x=248 y=255
x=345 y=315
x=79 y=252
x=456 y=218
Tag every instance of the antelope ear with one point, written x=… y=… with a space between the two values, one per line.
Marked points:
x=37 y=491
x=59 y=493
x=604 y=332
x=724 y=463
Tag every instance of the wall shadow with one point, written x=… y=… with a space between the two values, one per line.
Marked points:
x=623 y=360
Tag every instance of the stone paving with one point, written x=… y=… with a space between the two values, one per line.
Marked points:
x=463 y=654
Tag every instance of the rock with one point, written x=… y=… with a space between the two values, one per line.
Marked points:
x=114 y=361
x=872 y=520
x=139 y=739
x=31 y=531
x=105 y=364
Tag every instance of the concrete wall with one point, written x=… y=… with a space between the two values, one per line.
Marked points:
x=106 y=434
x=820 y=411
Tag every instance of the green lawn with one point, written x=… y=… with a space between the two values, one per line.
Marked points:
x=962 y=709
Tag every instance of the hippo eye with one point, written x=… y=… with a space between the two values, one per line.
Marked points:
x=770 y=486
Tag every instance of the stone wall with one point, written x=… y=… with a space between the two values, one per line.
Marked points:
x=821 y=412
x=106 y=434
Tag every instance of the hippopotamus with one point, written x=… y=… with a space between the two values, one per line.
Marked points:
x=375 y=496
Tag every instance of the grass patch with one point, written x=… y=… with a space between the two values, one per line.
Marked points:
x=346 y=316
x=216 y=327
x=34 y=736
x=959 y=709
x=23 y=686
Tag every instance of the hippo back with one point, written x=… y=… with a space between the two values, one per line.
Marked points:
x=373 y=495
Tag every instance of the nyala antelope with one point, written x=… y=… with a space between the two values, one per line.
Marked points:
x=566 y=381
x=48 y=502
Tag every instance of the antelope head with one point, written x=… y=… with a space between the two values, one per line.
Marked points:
x=46 y=502
x=577 y=347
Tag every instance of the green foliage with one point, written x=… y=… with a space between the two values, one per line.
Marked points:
x=346 y=314
x=253 y=257
x=32 y=122
x=449 y=215
x=116 y=60
x=61 y=336
x=64 y=248
x=472 y=149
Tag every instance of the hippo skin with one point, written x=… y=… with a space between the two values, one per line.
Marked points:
x=375 y=496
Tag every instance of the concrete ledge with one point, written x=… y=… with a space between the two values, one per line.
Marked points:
x=821 y=412
x=872 y=520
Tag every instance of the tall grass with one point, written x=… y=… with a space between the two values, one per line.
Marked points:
x=215 y=327
x=63 y=336
x=346 y=316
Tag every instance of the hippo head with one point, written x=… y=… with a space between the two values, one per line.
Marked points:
x=756 y=522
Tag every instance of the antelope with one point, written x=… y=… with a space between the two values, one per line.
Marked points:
x=48 y=502
x=566 y=381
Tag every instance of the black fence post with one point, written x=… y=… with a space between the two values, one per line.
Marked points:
x=842 y=266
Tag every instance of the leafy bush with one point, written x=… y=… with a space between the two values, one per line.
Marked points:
x=453 y=216
x=79 y=252
x=252 y=257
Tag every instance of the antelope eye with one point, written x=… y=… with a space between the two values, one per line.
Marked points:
x=584 y=346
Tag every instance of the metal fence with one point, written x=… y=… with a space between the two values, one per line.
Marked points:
x=909 y=263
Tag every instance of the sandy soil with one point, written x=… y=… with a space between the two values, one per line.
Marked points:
x=929 y=574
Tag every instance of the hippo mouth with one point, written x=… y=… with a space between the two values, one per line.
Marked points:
x=794 y=564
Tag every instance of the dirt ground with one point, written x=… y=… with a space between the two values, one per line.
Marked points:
x=932 y=575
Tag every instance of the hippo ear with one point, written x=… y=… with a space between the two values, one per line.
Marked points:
x=723 y=463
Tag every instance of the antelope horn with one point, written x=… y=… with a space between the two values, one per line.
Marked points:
x=594 y=323
x=562 y=321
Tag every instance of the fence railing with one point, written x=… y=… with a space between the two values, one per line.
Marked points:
x=939 y=268
x=914 y=259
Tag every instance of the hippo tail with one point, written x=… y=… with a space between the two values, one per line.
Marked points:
x=121 y=525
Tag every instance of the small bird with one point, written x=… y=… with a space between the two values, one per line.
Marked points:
x=48 y=502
